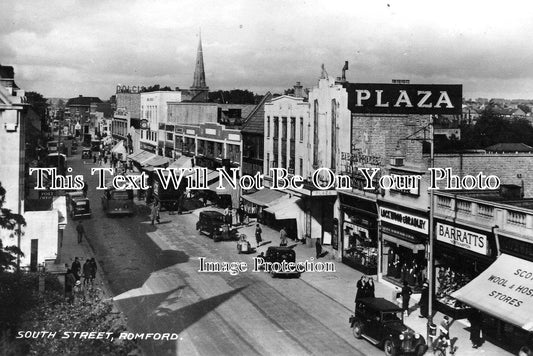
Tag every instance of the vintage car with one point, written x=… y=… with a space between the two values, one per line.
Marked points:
x=212 y=222
x=279 y=254
x=79 y=207
x=118 y=202
x=381 y=322
x=86 y=153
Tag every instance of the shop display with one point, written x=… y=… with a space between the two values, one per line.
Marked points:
x=359 y=248
x=405 y=265
x=448 y=282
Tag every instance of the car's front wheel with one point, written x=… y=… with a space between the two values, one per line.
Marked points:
x=357 y=330
x=389 y=348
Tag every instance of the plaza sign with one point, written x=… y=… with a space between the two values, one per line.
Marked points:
x=434 y=99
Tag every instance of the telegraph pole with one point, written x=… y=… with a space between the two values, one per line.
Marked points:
x=430 y=258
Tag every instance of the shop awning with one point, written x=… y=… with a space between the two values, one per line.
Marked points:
x=504 y=290
x=119 y=148
x=182 y=162
x=157 y=161
x=141 y=156
x=264 y=197
x=400 y=242
x=289 y=208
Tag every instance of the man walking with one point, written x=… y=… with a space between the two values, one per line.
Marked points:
x=258 y=232
x=76 y=268
x=283 y=237
x=155 y=212
x=81 y=231
x=406 y=295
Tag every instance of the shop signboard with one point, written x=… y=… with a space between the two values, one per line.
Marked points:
x=462 y=238
x=403 y=219
x=382 y=98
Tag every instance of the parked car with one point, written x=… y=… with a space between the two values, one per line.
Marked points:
x=80 y=207
x=212 y=222
x=381 y=322
x=280 y=254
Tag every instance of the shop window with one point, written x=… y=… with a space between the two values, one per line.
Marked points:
x=464 y=207
x=516 y=218
x=485 y=211
x=359 y=248
x=401 y=264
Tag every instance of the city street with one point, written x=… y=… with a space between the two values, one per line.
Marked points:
x=153 y=272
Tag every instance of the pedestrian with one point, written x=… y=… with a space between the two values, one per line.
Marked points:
x=406 y=295
x=93 y=270
x=81 y=231
x=155 y=212
x=318 y=248
x=283 y=237
x=76 y=268
x=424 y=300
x=370 y=290
x=258 y=232
x=70 y=281
x=86 y=272
x=85 y=189
x=94 y=158
x=105 y=158
x=444 y=329
x=240 y=211
x=475 y=328
x=100 y=159
x=227 y=215
x=361 y=288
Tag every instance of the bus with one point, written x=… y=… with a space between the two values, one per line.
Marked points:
x=118 y=202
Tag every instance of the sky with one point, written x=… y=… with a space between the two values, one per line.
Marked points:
x=67 y=48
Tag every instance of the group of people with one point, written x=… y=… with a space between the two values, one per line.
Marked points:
x=365 y=288
x=74 y=275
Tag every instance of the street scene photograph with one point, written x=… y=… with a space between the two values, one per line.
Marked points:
x=257 y=177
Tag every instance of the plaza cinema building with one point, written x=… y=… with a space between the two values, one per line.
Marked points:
x=386 y=231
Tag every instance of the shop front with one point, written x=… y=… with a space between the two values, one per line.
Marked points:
x=359 y=233
x=404 y=234
x=461 y=254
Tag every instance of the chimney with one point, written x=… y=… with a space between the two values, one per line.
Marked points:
x=298 y=90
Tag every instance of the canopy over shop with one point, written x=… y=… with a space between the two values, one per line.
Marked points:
x=504 y=290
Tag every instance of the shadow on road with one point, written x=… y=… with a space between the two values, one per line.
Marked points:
x=167 y=258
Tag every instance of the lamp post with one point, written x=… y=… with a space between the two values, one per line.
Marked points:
x=430 y=327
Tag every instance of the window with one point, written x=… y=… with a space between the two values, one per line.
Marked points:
x=315 y=133
x=301 y=172
x=170 y=136
x=333 y=134
x=268 y=163
x=293 y=128
x=283 y=128
x=276 y=127
x=268 y=126
x=444 y=202
x=301 y=129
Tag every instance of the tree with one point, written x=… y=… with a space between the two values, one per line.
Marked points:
x=235 y=96
x=156 y=87
x=38 y=102
x=9 y=222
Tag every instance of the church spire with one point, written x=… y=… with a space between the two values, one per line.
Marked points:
x=199 y=89
x=199 y=73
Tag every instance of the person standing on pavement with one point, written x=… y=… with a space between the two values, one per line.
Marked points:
x=475 y=328
x=85 y=188
x=70 y=281
x=406 y=295
x=155 y=212
x=81 y=231
x=86 y=272
x=361 y=288
x=258 y=232
x=318 y=248
x=76 y=268
x=92 y=270
x=444 y=329
x=283 y=237
x=370 y=288
x=424 y=301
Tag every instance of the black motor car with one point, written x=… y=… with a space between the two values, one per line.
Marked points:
x=280 y=254
x=381 y=322
x=80 y=207
x=212 y=222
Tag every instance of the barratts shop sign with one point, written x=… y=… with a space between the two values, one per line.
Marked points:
x=433 y=99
